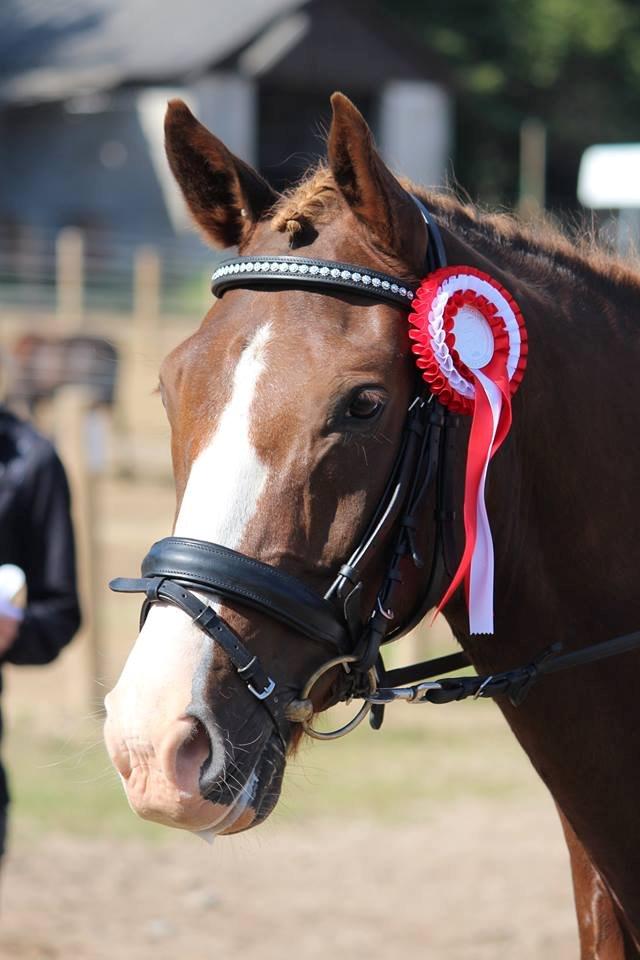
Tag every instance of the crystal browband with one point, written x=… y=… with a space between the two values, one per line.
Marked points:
x=304 y=271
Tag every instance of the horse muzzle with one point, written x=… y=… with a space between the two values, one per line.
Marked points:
x=182 y=775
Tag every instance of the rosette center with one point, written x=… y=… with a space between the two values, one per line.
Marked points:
x=473 y=337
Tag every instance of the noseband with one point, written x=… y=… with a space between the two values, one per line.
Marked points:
x=176 y=566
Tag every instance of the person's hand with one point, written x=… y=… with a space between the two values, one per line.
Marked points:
x=8 y=633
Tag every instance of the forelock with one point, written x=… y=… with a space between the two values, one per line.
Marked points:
x=314 y=200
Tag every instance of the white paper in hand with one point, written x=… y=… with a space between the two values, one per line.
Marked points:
x=12 y=580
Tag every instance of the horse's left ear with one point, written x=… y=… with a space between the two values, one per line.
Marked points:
x=225 y=195
x=371 y=190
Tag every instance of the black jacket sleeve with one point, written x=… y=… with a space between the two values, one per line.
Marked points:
x=52 y=614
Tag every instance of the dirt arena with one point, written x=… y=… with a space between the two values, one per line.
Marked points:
x=474 y=882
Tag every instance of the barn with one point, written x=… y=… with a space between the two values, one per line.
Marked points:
x=84 y=83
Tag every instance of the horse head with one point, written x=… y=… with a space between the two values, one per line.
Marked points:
x=286 y=410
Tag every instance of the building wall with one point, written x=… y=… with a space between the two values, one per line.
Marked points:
x=415 y=126
x=99 y=163
x=227 y=105
x=81 y=168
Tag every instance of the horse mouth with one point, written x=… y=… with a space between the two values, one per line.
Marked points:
x=260 y=794
x=250 y=804
x=237 y=797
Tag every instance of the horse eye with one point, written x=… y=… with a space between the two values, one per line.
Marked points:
x=365 y=405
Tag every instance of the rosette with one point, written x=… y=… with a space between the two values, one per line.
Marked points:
x=470 y=342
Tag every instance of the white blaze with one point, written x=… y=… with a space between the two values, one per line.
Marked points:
x=222 y=492
x=227 y=477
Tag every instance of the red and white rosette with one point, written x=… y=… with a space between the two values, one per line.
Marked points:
x=470 y=342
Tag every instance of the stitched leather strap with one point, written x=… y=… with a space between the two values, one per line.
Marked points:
x=225 y=573
x=157 y=589
x=247 y=664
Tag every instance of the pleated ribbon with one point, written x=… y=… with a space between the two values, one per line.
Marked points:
x=485 y=392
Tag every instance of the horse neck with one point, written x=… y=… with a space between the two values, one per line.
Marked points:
x=561 y=492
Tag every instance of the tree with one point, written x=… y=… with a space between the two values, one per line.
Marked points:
x=574 y=64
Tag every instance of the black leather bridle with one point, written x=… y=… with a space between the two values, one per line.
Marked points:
x=176 y=566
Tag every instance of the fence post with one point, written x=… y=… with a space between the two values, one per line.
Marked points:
x=146 y=296
x=139 y=355
x=71 y=429
x=69 y=280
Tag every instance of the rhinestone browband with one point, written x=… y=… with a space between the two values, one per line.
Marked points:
x=304 y=271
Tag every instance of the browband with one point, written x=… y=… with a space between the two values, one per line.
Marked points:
x=307 y=272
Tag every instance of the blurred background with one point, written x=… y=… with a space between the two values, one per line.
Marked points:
x=433 y=833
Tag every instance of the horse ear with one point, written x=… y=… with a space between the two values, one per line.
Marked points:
x=370 y=189
x=226 y=196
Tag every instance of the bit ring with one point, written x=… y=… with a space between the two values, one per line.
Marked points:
x=343 y=661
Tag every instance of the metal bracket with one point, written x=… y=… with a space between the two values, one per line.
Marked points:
x=413 y=694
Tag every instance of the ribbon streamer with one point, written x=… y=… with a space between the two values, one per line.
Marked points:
x=490 y=425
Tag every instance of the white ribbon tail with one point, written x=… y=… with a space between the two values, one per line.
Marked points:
x=482 y=563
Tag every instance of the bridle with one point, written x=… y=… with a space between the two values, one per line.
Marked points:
x=176 y=566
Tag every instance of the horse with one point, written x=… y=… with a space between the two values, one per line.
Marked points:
x=287 y=408
x=39 y=366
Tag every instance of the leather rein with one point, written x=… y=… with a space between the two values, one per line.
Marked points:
x=175 y=567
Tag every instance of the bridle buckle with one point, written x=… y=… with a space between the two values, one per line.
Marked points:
x=269 y=685
x=263 y=694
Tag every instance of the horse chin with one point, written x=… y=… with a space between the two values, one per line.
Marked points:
x=183 y=813
x=153 y=796
x=194 y=814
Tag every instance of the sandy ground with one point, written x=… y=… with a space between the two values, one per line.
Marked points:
x=466 y=885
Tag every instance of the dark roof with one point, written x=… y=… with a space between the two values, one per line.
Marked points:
x=55 y=49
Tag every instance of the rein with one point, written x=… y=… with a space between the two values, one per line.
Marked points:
x=175 y=567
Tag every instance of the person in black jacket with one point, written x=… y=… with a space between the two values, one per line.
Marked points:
x=36 y=535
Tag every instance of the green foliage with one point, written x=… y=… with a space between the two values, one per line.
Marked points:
x=575 y=64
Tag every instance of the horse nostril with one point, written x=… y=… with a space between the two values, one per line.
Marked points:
x=119 y=754
x=192 y=754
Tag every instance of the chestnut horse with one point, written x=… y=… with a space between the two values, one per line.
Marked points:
x=286 y=409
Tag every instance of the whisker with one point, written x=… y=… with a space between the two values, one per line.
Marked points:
x=107 y=774
x=73 y=758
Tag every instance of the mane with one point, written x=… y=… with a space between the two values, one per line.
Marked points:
x=536 y=250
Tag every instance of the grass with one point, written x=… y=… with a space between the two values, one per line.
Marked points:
x=424 y=757
x=67 y=784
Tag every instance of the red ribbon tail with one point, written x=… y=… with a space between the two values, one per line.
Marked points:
x=479 y=444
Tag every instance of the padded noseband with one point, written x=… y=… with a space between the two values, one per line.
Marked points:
x=229 y=575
